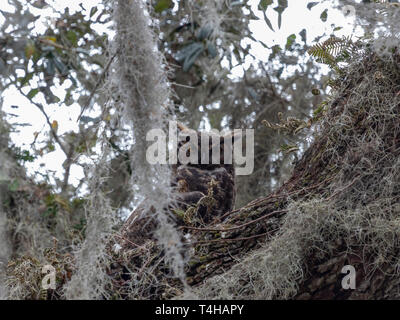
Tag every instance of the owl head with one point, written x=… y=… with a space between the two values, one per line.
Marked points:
x=207 y=150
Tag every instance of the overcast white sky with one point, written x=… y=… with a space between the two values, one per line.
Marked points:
x=295 y=18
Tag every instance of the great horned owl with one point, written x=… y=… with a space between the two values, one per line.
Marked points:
x=207 y=189
x=193 y=181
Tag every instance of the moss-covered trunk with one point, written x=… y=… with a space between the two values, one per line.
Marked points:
x=340 y=207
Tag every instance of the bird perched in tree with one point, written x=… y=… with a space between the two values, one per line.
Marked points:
x=212 y=180
x=203 y=189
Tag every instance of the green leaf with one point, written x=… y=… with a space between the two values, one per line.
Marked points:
x=290 y=40
x=191 y=59
x=32 y=93
x=50 y=67
x=320 y=108
x=60 y=66
x=93 y=11
x=25 y=156
x=316 y=91
x=73 y=37
x=212 y=51
x=237 y=3
x=282 y=5
x=162 y=5
x=324 y=15
x=204 y=33
x=311 y=4
x=263 y=4
x=279 y=72
x=276 y=49
x=74 y=83
x=48 y=95
x=86 y=119
x=25 y=80
x=68 y=99
x=189 y=54
x=268 y=22
x=303 y=35
x=187 y=51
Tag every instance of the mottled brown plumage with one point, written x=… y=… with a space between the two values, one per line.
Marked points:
x=208 y=190
x=196 y=179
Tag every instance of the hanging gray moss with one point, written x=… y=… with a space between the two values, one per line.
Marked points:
x=140 y=82
x=341 y=204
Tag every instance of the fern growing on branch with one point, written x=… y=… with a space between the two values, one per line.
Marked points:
x=333 y=51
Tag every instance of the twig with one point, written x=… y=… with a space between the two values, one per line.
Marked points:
x=182 y=85
x=342 y=189
x=271 y=196
x=130 y=242
x=51 y=43
x=238 y=239
x=97 y=86
x=53 y=132
x=235 y=227
x=68 y=154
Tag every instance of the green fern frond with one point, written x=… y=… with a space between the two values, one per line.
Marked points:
x=333 y=51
